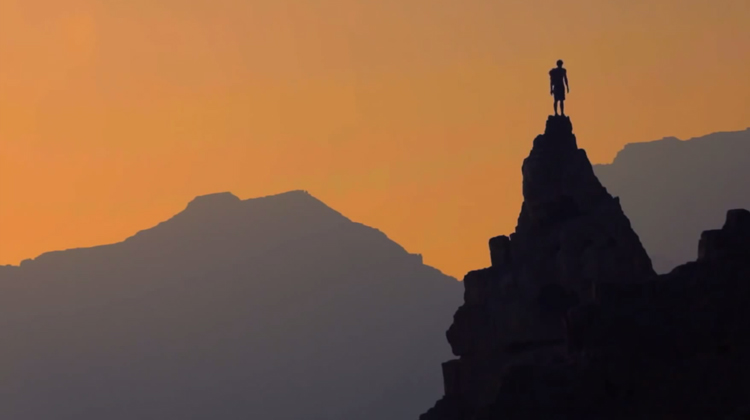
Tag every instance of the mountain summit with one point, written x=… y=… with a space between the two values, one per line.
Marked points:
x=270 y=308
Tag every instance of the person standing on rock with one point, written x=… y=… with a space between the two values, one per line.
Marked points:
x=558 y=80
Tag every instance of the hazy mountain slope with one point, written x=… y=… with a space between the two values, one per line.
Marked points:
x=269 y=308
x=673 y=190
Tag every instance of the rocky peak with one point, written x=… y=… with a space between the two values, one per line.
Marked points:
x=571 y=234
x=557 y=172
x=571 y=322
x=570 y=228
x=221 y=199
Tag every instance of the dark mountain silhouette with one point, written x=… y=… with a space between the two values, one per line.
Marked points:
x=571 y=322
x=270 y=308
x=673 y=190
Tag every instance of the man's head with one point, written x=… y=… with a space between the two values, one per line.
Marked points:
x=559 y=63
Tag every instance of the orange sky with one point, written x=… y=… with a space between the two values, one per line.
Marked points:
x=412 y=116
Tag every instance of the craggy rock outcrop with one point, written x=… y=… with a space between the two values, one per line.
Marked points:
x=571 y=322
x=570 y=233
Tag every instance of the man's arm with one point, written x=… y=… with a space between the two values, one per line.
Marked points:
x=565 y=79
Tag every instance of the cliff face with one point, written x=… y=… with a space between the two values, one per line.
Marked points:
x=571 y=321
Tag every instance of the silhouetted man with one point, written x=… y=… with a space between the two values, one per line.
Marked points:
x=558 y=83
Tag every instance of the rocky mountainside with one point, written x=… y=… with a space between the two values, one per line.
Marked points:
x=672 y=190
x=571 y=321
x=270 y=308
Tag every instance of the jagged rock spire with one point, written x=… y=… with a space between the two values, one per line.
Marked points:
x=570 y=321
x=571 y=230
x=571 y=234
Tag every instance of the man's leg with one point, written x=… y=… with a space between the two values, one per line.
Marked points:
x=562 y=107
x=555 y=106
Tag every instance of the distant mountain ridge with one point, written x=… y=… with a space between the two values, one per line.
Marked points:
x=673 y=189
x=272 y=308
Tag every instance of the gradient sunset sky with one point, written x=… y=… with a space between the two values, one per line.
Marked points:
x=411 y=116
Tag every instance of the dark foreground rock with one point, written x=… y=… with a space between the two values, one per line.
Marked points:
x=571 y=322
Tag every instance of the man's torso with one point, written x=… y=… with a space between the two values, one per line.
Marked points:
x=556 y=76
